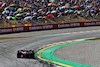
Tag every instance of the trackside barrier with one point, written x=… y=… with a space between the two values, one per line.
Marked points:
x=49 y=26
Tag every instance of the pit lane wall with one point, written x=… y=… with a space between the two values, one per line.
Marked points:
x=49 y=26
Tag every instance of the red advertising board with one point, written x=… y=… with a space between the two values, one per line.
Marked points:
x=49 y=26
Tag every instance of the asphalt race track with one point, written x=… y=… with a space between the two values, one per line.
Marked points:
x=9 y=47
x=87 y=53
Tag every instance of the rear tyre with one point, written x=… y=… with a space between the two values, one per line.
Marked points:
x=18 y=56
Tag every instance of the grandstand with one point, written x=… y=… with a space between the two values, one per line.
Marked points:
x=37 y=12
x=64 y=19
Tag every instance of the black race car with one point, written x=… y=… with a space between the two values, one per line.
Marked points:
x=25 y=54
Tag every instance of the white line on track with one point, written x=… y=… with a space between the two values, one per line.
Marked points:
x=68 y=33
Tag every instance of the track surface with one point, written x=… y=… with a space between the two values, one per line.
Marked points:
x=8 y=48
x=85 y=53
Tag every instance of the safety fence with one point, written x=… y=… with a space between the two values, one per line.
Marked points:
x=48 y=26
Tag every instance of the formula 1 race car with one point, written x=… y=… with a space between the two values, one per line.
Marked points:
x=25 y=54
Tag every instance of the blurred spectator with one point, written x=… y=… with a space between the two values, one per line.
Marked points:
x=40 y=9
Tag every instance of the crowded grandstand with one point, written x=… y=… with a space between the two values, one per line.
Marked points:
x=41 y=12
